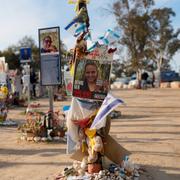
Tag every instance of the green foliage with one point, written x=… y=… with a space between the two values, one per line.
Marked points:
x=146 y=33
x=12 y=53
x=165 y=43
x=11 y=58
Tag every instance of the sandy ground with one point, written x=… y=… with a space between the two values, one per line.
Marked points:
x=149 y=128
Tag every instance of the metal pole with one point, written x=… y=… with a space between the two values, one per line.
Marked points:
x=29 y=92
x=50 y=113
x=29 y=83
x=51 y=98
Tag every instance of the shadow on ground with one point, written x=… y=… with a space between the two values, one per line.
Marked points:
x=159 y=173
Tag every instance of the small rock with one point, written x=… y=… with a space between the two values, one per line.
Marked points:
x=44 y=139
x=37 y=139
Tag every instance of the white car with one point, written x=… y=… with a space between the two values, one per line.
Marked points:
x=120 y=83
x=133 y=83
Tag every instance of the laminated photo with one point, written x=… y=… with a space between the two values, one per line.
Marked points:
x=50 y=56
x=91 y=79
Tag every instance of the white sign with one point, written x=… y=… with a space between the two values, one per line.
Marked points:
x=2 y=64
x=100 y=54
x=3 y=77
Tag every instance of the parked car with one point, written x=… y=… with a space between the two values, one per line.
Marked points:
x=134 y=82
x=120 y=82
x=169 y=76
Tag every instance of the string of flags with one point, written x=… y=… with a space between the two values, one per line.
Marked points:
x=80 y=24
x=76 y=28
x=109 y=37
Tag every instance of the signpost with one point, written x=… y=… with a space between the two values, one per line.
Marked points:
x=49 y=43
x=50 y=60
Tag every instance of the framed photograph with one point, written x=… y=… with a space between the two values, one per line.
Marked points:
x=50 y=56
x=91 y=79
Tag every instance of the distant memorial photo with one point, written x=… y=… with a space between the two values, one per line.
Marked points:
x=25 y=54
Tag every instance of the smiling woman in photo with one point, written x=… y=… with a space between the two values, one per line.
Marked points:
x=48 y=47
x=90 y=77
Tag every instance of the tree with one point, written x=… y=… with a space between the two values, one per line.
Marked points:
x=12 y=53
x=165 y=43
x=147 y=33
x=12 y=59
x=28 y=41
x=134 y=20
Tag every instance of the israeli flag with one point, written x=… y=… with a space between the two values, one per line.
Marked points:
x=109 y=37
x=107 y=106
x=76 y=28
x=88 y=37
x=91 y=45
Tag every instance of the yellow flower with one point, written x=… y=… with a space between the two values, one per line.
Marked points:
x=4 y=90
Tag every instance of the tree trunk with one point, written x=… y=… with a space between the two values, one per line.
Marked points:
x=138 y=76
x=158 y=77
x=159 y=64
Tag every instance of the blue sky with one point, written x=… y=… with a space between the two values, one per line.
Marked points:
x=25 y=17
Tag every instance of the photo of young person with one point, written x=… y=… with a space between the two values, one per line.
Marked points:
x=25 y=54
x=91 y=79
x=47 y=46
x=50 y=56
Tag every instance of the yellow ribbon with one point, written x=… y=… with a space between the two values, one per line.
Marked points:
x=77 y=1
x=83 y=146
x=72 y=69
x=91 y=134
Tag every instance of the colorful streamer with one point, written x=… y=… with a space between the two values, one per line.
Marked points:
x=76 y=28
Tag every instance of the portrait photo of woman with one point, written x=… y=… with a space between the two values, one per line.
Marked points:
x=48 y=47
x=49 y=40
x=91 y=77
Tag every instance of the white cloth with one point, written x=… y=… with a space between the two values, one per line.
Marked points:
x=17 y=84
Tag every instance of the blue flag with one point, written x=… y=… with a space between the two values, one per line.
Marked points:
x=76 y=28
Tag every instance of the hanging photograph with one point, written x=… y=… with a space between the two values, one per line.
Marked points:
x=49 y=46
x=91 y=79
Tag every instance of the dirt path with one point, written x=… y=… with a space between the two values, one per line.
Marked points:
x=149 y=128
